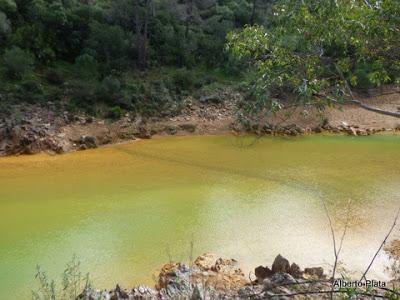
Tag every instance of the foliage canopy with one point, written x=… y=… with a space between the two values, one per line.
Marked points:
x=316 y=49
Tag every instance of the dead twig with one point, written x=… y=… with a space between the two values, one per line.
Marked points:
x=346 y=226
x=382 y=244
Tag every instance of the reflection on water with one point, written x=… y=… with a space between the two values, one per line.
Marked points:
x=123 y=210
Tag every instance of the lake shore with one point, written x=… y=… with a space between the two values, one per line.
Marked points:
x=210 y=277
x=33 y=129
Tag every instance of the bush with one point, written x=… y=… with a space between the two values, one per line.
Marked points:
x=5 y=26
x=32 y=86
x=54 y=77
x=86 y=66
x=115 y=112
x=369 y=75
x=111 y=85
x=83 y=96
x=17 y=62
x=183 y=80
x=157 y=100
x=8 y=6
x=30 y=91
x=72 y=283
x=109 y=89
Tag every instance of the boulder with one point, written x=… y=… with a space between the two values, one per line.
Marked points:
x=280 y=265
x=295 y=271
x=221 y=274
x=168 y=274
x=206 y=261
x=87 y=142
x=282 y=278
x=262 y=273
x=225 y=265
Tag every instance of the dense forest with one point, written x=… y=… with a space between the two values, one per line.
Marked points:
x=145 y=55
x=99 y=52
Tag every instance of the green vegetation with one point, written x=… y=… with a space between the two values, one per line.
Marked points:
x=71 y=286
x=317 y=50
x=106 y=57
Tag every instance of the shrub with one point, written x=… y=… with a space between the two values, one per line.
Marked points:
x=54 y=77
x=109 y=89
x=31 y=86
x=369 y=75
x=157 y=100
x=17 y=62
x=5 y=26
x=83 y=96
x=115 y=112
x=183 y=79
x=8 y=6
x=30 y=91
x=210 y=93
x=86 y=66
x=73 y=282
x=111 y=85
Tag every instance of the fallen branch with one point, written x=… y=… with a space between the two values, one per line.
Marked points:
x=374 y=109
x=358 y=102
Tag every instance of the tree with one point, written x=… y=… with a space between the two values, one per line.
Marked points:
x=109 y=43
x=5 y=26
x=189 y=16
x=17 y=62
x=315 y=50
x=143 y=13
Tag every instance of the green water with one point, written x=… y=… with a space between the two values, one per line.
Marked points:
x=125 y=210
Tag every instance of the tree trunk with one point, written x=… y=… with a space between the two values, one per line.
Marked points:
x=138 y=30
x=143 y=58
x=374 y=109
x=142 y=25
x=189 y=16
x=358 y=102
x=253 y=13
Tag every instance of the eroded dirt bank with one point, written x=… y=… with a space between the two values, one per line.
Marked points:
x=32 y=129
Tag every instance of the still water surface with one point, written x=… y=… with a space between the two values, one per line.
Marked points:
x=124 y=210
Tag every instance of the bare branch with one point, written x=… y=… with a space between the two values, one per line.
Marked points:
x=331 y=228
x=382 y=244
x=346 y=225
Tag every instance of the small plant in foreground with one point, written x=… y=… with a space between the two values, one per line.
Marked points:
x=72 y=284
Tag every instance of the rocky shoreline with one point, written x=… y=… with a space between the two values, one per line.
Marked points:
x=35 y=129
x=209 y=277
x=32 y=128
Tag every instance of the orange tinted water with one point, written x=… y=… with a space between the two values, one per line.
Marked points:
x=125 y=209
